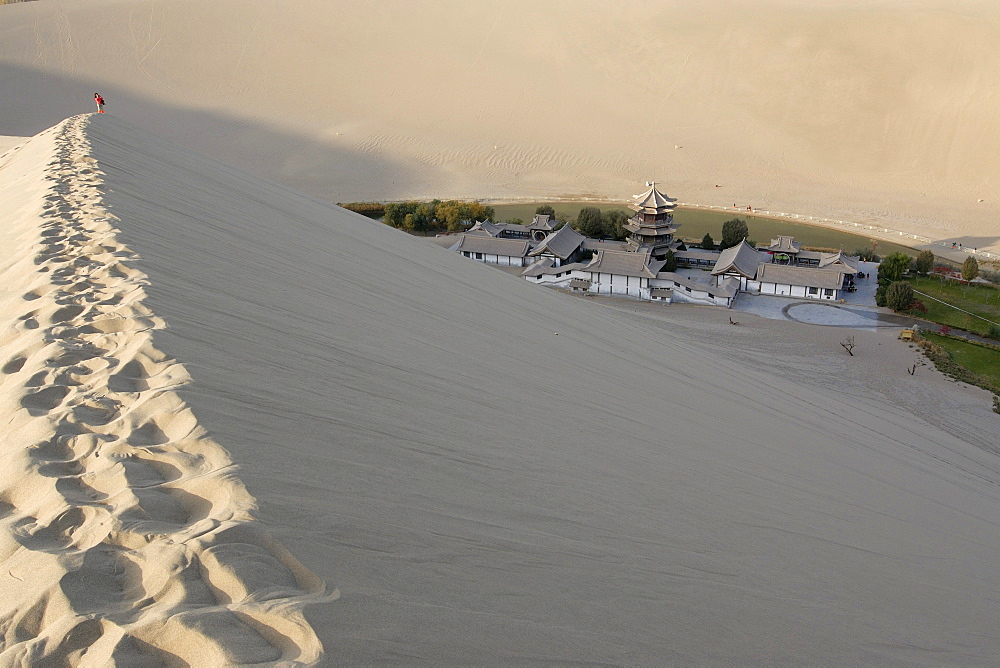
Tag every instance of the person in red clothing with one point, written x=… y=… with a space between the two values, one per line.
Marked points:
x=100 y=103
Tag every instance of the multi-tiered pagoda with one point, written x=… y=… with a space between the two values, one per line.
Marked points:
x=652 y=227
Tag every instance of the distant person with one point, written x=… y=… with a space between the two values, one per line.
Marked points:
x=100 y=103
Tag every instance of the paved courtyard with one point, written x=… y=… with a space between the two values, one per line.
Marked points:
x=857 y=312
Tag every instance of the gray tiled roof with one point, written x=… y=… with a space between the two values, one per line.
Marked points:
x=446 y=240
x=742 y=258
x=539 y=267
x=487 y=227
x=727 y=288
x=541 y=221
x=600 y=244
x=491 y=246
x=810 y=277
x=514 y=227
x=546 y=266
x=835 y=259
x=561 y=243
x=784 y=244
x=697 y=253
x=624 y=263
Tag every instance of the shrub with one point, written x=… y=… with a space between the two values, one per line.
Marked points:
x=880 y=294
x=893 y=267
x=970 y=268
x=994 y=333
x=899 y=296
x=925 y=261
x=671 y=262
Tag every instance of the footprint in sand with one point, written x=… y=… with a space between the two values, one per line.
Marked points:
x=14 y=365
x=45 y=400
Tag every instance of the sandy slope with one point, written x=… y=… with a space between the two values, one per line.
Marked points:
x=857 y=110
x=126 y=536
x=488 y=471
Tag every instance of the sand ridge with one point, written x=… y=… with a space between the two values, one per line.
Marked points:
x=126 y=534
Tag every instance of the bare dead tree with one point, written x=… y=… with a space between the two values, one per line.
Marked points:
x=848 y=344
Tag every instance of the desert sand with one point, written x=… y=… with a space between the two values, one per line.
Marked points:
x=243 y=425
x=871 y=111
x=484 y=470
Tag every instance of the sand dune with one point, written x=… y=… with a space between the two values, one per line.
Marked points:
x=127 y=536
x=488 y=471
x=856 y=110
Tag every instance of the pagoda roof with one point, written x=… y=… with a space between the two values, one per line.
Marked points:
x=652 y=201
x=650 y=229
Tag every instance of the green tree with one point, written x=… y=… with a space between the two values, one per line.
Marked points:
x=613 y=222
x=670 y=262
x=454 y=214
x=546 y=209
x=733 y=232
x=423 y=215
x=893 y=267
x=925 y=262
x=970 y=268
x=589 y=222
x=395 y=212
x=899 y=296
x=707 y=242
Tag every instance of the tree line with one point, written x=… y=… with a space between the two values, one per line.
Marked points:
x=412 y=216
x=896 y=293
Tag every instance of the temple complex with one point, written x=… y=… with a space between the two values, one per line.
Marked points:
x=637 y=267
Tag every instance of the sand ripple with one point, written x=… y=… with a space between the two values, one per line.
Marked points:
x=125 y=535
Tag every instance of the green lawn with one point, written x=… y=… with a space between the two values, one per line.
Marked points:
x=694 y=223
x=980 y=360
x=982 y=300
